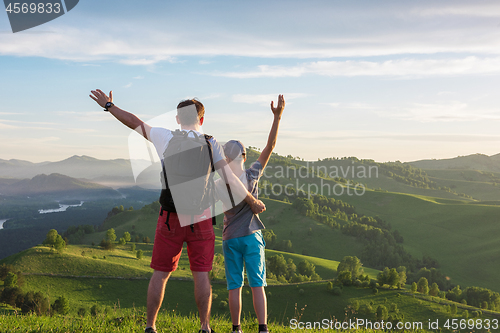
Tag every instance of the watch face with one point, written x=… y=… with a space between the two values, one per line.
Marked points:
x=108 y=104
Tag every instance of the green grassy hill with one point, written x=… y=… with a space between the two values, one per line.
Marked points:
x=307 y=301
x=470 y=162
x=464 y=237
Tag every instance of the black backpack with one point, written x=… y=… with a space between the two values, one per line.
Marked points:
x=188 y=175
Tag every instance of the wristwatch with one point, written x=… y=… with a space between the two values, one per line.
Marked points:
x=107 y=106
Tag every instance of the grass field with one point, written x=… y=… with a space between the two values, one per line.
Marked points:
x=463 y=237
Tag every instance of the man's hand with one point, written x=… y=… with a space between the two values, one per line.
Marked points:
x=258 y=207
x=278 y=110
x=101 y=98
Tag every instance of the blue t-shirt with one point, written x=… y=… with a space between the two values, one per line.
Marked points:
x=240 y=221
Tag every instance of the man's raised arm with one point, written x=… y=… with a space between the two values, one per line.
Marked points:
x=126 y=118
x=238 y=190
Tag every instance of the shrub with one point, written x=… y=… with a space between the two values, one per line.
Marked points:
x=94 y=310
x=82 y=312
x=223 y=304
x=61 y=305
x=337 y=291
x=140 y=254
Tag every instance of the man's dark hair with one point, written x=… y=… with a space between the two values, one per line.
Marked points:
x=189 y=118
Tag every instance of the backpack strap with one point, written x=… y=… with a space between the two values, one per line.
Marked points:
x=168 y=217
x=212 y=182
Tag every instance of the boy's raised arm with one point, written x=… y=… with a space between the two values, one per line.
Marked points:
x=273 y=134
x=126 y=118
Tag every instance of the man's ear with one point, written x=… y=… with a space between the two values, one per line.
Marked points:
x=201 y=120
x=177 y=118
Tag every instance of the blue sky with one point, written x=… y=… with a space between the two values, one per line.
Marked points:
x=387 y=80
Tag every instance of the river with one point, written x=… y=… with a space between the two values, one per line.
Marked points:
x=2 y=222
x=62 y=208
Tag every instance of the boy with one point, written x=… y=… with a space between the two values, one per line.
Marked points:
x=242 y=237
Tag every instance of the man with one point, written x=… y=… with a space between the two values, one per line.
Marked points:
x=242 y=240
x=170 y=238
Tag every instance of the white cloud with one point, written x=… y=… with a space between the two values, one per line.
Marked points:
x=451 y=111
x=265 y=98
x=409 y=68
x=343 y=30
x=471 y=10
x=128 y=85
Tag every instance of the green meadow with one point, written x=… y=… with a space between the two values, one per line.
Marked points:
x=463 y=236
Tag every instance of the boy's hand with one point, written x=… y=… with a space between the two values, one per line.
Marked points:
x=258 y=207
x=101 y=98
x=278 y=110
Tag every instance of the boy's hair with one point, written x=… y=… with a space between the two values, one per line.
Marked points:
x=185 y=114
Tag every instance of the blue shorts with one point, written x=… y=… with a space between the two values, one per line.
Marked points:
x=250 y=251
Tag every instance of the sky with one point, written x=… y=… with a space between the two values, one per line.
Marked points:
x=385 y=80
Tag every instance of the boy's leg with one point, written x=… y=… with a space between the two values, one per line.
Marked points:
x=203 y=297
x=260 y=304
x=233 y=262
x=156 y=292
x=255 y=265
x=235 y=305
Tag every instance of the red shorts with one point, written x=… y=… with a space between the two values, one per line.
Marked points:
x=167 y=246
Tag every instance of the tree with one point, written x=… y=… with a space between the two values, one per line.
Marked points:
x=110 y=234
x=434 y=291
x=122 y=241
x=132 y=247
x=414 y=287
x=383 y=276
x=34 y=302
x=59 y=244
x=393 y=278
x=345 y=278
x=423 y=286
x=351 y=264
x=269 y=237
x=126 y=236
x=382 y=313
x=306 y=268
x=146 y=240
x=51 y=237
x=61 y=305
x=402 y=276
x=10 y=281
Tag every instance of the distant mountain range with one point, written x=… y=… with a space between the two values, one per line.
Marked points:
x=479 y=162
x=55 y=184
x=24 y=177
x=114 y=173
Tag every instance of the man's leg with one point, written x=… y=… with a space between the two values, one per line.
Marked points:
x=235 y=305
x=203 y=297
x=260 y=304
x=156 y=291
